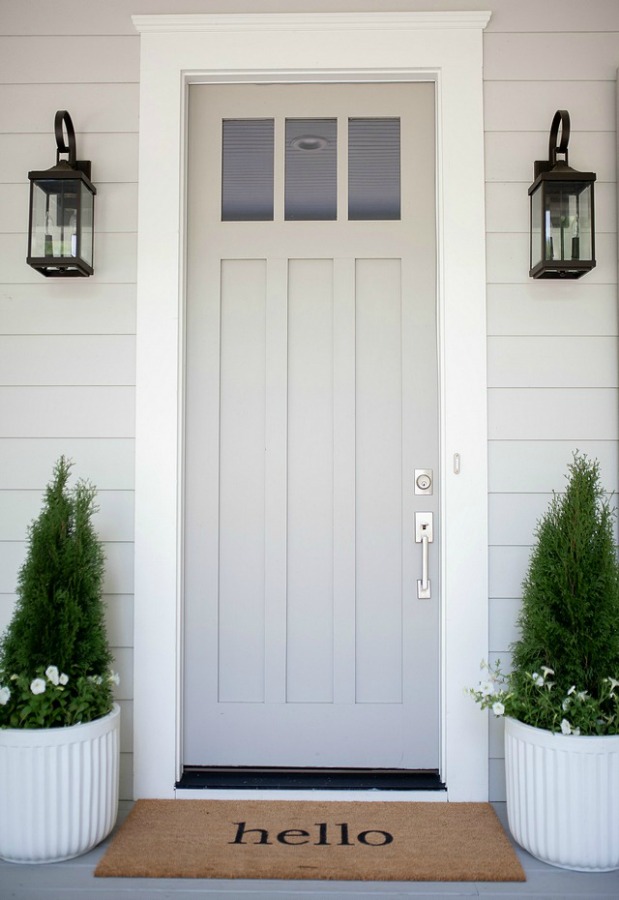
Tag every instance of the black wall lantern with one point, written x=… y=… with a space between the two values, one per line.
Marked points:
x=562 y=212
x=62 y=206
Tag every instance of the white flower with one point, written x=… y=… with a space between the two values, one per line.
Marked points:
x=582 y=695
x=52 y=674
x=576 y=732
x=486 y=688
x=572 y=690
x=537 y=678
x=37 y=686
x=114 y=678
x=565 y=704
x=63 y=679
x=5 y=695
x=498 y=709
x=613 y=684
x=547 y=671
x=566 y=728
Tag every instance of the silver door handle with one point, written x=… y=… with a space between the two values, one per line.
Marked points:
x=424 y=535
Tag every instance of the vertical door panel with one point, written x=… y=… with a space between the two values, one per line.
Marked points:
x=379 y=481
x=310 y=481
x=242 y=481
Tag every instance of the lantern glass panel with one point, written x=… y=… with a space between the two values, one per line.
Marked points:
x=568 y=221
x=86 y=237
x=54 y=218
x=537 y=237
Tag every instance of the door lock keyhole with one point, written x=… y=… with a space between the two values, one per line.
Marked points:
x=423 y=481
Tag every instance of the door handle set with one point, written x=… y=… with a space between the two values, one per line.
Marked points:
x=424 y=535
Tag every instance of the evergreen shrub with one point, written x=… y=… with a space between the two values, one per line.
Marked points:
x=54 y=657
x=565 y=665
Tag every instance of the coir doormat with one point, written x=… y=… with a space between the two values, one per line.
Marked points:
x=367 y=841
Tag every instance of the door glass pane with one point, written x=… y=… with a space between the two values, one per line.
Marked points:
x=373 y=168
x=247 y=177
x=311 y=163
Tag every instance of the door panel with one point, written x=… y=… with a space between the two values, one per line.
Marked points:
x=379 y=489
x=311 y=397
x=241 y=481
x=310 y=482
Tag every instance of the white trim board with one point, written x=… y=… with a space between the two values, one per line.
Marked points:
x=176 y=51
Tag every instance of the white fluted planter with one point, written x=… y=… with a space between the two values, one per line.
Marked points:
x=58 y=789
x=563 y=796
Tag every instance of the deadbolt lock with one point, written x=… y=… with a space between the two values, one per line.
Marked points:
x=423 y=481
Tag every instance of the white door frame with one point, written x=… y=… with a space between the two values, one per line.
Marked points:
x=175 y=51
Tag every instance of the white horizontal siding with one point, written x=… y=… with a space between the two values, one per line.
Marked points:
x=37 y=412
x=577 y=308
x=108 y=463
x=76 y=359
x=506 y=570
x=525 y=106
x=539 y=467
x=568 y=414
x=30 y=108
x=513 y=518
x=114 y=156
x=533 y=362
x=77 y=58
x=119 y=619
x=503 y=623
x=570 y=55
x=53 y=305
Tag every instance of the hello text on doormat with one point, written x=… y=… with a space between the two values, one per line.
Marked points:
x=365 y=841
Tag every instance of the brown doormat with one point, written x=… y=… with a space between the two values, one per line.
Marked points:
x=368 y=841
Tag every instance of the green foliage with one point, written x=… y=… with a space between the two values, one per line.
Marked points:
x=52 y=700
x=58 y=623
x=569 y=619
x=566 y=663
x=535 y=699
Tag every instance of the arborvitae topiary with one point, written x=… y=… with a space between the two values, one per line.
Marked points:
x=569 y=619
x=59 y=617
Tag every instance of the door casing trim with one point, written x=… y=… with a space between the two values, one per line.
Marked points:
x=446 y=48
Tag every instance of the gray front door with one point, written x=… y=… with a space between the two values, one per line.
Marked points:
x=311 y=401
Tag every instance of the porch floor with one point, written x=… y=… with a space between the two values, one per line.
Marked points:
x=73 y=880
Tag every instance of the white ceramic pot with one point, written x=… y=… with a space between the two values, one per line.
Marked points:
x=58 y=789
x=563 y=796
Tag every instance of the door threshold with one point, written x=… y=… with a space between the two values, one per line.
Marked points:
x=260 y=779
